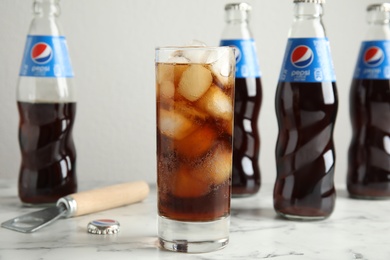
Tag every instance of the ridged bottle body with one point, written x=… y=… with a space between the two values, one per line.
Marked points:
x=305 y=154
x=306 y=105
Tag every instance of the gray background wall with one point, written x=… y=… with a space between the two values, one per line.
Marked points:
x=112 y=45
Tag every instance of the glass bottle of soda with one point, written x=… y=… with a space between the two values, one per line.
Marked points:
x=46 y=104
x=369 y=152
x=246 y=176
x=306 y=107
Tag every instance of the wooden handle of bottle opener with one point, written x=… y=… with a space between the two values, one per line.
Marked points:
x=109 y=197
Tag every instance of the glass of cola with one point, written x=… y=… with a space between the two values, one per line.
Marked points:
x=194 y=103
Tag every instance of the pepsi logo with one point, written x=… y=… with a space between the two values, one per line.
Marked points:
x=237 y=53
x=104 y=222
x=302 y=56
x=41 y=53
x=373 y=56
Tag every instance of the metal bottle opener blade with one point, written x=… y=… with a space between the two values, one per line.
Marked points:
x=78 y=204
x=31 y=222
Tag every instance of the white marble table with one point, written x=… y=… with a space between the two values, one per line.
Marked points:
x=356 y=230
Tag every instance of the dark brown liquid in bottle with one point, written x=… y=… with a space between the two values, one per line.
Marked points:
x=246 y=178
x=305 y=155
x=369 y=151
x=48 y=168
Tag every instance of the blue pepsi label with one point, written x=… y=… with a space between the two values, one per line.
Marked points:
x=247 y=64
x=46 y=56
x=373 y=60
x=307 y=60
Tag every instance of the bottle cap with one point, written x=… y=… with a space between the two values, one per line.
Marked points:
x=238 y=6
x=103 y=227
x=310 y=1
x=383 y=7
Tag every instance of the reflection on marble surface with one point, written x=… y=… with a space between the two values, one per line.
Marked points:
x=356 y=230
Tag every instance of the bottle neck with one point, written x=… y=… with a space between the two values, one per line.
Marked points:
x=48 y=8
x=237 y=25
x=45 y=20
x=307 y=21
x=379 y=25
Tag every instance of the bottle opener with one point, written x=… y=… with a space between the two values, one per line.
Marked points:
x=81 y=203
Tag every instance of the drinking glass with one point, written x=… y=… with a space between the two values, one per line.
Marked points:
x=194 y=103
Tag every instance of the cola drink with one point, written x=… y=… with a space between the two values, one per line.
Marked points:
x=47 y=106
x=246 y=176
x=194 y=143
x=305 y=151
x=368 y=174
x=48 y=153
x=306 y=107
